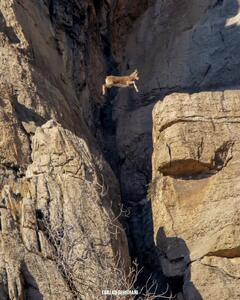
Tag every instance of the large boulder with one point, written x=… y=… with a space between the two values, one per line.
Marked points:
x=195 y=190
x=59 y=231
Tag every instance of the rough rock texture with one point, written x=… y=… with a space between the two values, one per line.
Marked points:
x=190 y=44
x=176 y=46
x=59 y=196
x=195 y=190
x=56 y=228
x=183 y=46
x=54 y=56
x=124 y=14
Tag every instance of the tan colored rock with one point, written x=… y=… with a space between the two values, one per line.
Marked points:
x=58 y=194
x=192 y=147
x=195 y=189
x=38 y=81
x=14 y=146
x=59 y=239
x=72 y=203
x=53 y=58
x=30 y=127
x=216 y=278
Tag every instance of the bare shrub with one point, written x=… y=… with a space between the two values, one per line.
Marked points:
x=86 y=258
x=111 y=276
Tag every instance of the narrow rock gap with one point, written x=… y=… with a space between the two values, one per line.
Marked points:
x=138 y=225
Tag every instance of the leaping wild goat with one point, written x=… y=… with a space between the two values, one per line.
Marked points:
x=120 y=81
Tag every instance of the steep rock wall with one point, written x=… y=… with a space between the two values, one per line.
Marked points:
x=191 y=47
x=59 y=196
x=54 y=56
x=195 y=191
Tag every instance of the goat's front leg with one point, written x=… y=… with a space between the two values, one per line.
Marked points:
x=104 y=89
x=135 y=87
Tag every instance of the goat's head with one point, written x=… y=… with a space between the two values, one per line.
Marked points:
x=134 y=75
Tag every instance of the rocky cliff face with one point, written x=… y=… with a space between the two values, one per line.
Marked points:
x=60 y=238
x=195 y=190
x=70 y=158
x=189 y=47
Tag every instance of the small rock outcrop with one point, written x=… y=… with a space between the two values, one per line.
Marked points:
x=57 y=223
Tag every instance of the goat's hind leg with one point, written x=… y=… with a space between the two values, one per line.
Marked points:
x=135 y=86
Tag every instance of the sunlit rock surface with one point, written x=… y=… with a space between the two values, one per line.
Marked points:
x=195 y=190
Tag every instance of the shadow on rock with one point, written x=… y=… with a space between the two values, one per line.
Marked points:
x=175 y=260
x=8 y=30
x=30 y=285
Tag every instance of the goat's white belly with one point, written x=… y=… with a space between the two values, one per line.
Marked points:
x=120 y=85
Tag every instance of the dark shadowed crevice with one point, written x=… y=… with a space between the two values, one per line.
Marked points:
x=138 y=225
x=218 y=3
x=29 y=283
x=4 y=294
x=229 y=253
x=8 y=31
